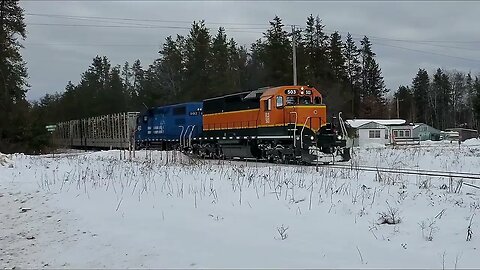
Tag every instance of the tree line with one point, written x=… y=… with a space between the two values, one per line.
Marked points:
x=201 y=65
x=443 y=100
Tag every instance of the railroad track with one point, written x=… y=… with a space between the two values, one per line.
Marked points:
x=421 y=172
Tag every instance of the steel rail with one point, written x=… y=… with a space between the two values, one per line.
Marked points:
x=465 y=175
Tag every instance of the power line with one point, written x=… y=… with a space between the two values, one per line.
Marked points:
x=237 y=30
x=102 y=19
x=428 y=52
x=230 y=29
x=133 y=19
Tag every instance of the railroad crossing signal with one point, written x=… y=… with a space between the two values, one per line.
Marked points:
x=51 y=128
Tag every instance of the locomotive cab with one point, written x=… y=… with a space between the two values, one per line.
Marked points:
x=292 y=111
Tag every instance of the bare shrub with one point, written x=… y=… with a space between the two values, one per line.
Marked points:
x=428 y=229
x=391 y=216
x=282 y=231
x=469 y=229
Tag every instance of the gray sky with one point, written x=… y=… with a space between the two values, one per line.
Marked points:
x=405 y=35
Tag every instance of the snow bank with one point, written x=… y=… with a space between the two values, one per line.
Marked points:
x=373 y=145
x=473 y=141
x=4 y=160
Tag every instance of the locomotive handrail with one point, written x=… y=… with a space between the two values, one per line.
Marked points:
x=185 y=135
x=295 y=129
x=301 y=133
x=180 y=139
x=342 y=125
x=190 y=137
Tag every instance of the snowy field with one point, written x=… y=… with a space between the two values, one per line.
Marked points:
x=164 y=210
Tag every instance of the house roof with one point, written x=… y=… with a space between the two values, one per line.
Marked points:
x=355 y=123
x=416 y=125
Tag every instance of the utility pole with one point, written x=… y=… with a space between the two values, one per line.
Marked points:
x=294 y=56
x=398 y=114
x=398 y=111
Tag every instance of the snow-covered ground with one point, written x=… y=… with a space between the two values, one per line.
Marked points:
x=164 y=210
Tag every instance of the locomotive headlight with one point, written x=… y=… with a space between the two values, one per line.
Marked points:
x=311 y=138
x=339 y=137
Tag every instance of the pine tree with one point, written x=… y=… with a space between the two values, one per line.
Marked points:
x=336 y=58
x=277 y=54
x=317 y=66
x=138 y=78
x=197 y=83
x=441 y=93
x=476 y=100
x=470 y=91
x=171 y=68
x=404 y=97
x=352 y=72
x=458 y=98
x=372 y=85
x=256 y=74
x=420 y=86
x=237 y=64
x=13 y=76
x=220 y=64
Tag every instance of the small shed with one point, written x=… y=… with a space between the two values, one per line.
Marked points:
x=425 y=132
x=465 y=133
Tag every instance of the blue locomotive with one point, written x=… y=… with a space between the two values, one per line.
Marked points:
x=159 y=126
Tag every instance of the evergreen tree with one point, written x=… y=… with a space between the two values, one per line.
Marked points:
x=13 y=75
x=458 y=99
x=372 y=84
x=476 y=100
x=127 y=78
x=237 y=64
x=441 y=93
x=277 y=54
x=197 y=83
x=470 y=91
x=317 y=65
x=336 y=58
x=137 y=85
x=403 y=100
x=220 y=61
x=171 y=68
x=256 y=74
x=352 y=72
x=420 y=86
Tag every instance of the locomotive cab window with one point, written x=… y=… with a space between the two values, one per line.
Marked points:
x=317 y=100
x=305 y=100
x=268 y=104
x=291 y=100
x=279 y=101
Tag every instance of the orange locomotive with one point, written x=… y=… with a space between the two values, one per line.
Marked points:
x=283 y=124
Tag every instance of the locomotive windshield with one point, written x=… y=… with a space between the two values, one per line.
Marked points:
x=295 y=100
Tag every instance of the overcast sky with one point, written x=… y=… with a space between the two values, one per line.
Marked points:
x=405 y=35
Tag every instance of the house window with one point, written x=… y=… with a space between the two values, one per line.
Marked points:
x=407 y=133
x=400 y=133
x=395 y=133
x=374 y=134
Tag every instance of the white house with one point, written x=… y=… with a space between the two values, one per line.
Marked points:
x=377 y=131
